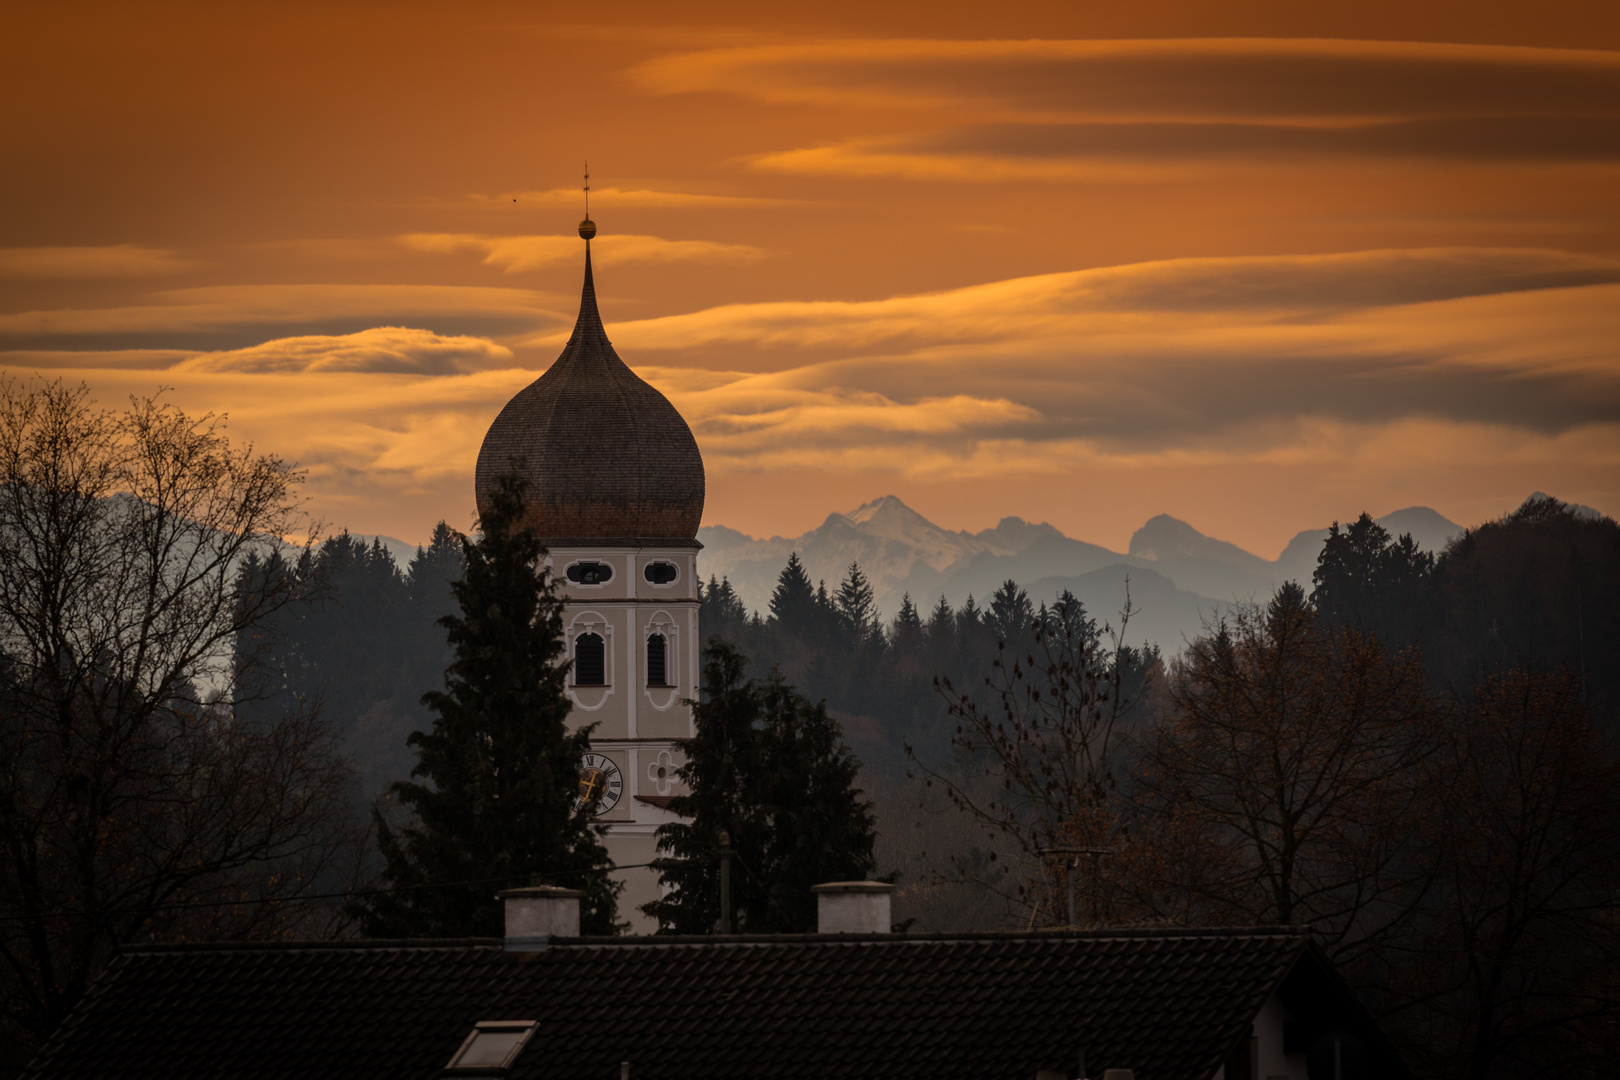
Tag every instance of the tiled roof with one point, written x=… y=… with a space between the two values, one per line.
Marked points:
x=606 y=455
x=1170 y=1005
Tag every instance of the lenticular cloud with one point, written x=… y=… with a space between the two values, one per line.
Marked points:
x=384 y=349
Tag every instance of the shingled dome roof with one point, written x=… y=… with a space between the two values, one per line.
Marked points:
x=606 y=456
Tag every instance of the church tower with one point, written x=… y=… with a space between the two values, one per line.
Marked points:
x=615 y=491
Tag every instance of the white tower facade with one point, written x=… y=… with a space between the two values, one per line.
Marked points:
x=631 y=627
x=615 y=489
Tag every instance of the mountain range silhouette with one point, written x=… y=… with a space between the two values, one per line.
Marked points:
x=1179 y=579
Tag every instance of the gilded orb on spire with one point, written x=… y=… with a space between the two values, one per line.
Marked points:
x=587 y=228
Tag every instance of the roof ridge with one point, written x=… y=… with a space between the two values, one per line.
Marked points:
x=413 y=944
x=1119 y=934
x=671 y=940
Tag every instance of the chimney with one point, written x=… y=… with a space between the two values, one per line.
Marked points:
x=853 y=907
x=539 y=913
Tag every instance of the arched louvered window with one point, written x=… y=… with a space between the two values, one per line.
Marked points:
x=657 y=660
x=590 y=661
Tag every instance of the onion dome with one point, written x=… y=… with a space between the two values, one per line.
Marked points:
x=607 y=458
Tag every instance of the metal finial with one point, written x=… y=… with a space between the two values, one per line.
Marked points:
x=587 y=228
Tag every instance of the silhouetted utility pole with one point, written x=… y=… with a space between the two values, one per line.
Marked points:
x=725 y=882
x=1074 y=864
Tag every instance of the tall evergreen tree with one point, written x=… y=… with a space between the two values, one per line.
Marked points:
x=856 y=604
x=498 y=772
x=1368 y=581
x=968 y=617
x=907 y=631
x=941 y=629
x=434 y=570
x=793 y=601
x=720 y=610
x=430 y=596
x=1011 y=615
x=772 y=770
x=826 y=611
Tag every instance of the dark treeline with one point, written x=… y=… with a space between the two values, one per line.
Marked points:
x=1416 y=759
x=360 y=642
x=879 y=677
x=1413 y=754
x=136 y=802
x=1537 y=590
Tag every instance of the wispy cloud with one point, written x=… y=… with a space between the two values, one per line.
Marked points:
x=215 y=308
x=636 y=198
x=519 y=253
x=1385 y=360
x=1124 y=110
x=94 y=359
x=1109 y=299
x=392 y=349
x=1181 y=356
x=112 y=261
x=1252 y=79
x=1131 y=151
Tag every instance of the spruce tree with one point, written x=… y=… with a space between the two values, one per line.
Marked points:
x=793 y=601
x=1010 y=615
x=856 y=603
x=1369 y=581
x=721 y=610
x=430 y=583
x=771 y=769
x=907 y=630
x=492 y=797
x=941 y=629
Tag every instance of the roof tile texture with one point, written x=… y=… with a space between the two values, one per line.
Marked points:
x=977 y=1008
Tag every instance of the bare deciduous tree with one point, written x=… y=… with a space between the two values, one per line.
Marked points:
x=1286 y=788
x=1513 y=960
x=1035 y=769
x=133 y=802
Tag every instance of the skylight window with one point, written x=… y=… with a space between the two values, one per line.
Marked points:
x=492 y=1046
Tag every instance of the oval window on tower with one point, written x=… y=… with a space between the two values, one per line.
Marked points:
x=661 y=573
x=590 y=661
x=590 y=573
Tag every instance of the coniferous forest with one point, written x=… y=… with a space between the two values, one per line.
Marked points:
x=1538 y=589
x=1414 y=754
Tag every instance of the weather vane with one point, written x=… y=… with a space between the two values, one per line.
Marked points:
x=587 y=228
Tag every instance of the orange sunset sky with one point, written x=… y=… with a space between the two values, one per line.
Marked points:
x=1257 y=265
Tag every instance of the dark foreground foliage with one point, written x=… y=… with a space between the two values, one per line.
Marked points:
x=492 y=797
x=138 y=802
x=770 y=769
x=1418 y=759
x=360 y=639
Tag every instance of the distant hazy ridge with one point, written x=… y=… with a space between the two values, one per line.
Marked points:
x=1179 y=578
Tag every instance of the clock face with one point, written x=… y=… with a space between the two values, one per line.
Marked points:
x=600 y=784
